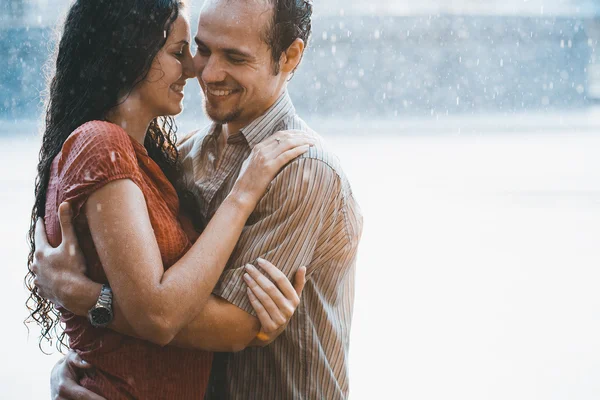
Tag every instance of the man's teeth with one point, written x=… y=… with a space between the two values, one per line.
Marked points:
x=220 y=92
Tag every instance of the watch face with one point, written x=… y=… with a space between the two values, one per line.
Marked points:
x=101 y=316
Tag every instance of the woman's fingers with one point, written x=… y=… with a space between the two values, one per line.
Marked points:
x=274 y=304
x=282 y=136
x=280 y=279
x=289 y=155
x=300 y=281
x=284 y=303
x=263 y=316
x=283 y=141
x=266 y=298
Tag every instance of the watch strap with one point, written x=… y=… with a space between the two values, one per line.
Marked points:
x=105 y=298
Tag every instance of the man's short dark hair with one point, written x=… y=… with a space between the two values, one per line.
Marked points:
x=291 y=20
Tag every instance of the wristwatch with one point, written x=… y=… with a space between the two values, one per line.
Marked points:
x=102 y=313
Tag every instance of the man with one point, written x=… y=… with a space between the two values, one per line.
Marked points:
x=247 y=52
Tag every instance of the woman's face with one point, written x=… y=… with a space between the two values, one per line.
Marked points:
x=162 y=90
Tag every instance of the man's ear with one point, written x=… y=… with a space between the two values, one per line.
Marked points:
x=291 y=58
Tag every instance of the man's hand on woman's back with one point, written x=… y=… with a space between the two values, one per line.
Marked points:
x=64 y=379
x=58 y=269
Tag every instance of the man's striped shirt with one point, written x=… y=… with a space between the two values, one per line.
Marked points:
x=307 y=217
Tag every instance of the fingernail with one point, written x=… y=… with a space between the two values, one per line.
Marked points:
x=250 y=267
x=260 y=260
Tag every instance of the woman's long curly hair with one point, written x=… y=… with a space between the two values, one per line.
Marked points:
x=106 y=48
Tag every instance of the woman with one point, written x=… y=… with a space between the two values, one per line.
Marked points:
x=121 y=66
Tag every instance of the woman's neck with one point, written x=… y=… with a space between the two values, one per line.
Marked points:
x=131 y=118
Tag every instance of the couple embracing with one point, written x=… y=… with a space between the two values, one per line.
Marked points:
x=170 y=263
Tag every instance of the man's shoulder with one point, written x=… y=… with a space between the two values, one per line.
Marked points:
x=321 y=152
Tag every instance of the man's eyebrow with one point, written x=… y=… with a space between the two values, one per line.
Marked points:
x=230 y=51
x=237 y=52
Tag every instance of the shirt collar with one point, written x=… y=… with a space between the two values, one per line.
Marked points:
x=264 y=126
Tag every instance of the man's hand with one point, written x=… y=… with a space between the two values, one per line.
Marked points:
x=64 y=379
x=57 y=269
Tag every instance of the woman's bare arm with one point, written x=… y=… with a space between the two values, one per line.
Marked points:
x=155 y=302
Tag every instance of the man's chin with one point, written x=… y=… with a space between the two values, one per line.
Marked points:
x=221 y=117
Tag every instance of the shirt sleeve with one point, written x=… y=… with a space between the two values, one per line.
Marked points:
x=95 y=154
x=285 y=227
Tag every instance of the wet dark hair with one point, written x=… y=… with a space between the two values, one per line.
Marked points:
x=106 y=48
x=292 y=19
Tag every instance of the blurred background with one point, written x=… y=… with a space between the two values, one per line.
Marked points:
x=469 y=131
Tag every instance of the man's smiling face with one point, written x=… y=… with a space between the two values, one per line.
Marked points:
x=233 y=63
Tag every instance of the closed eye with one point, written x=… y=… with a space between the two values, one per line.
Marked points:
x=236 y=60
x=203 y=50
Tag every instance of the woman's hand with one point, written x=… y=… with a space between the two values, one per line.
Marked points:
x=274 y=304
x=266 y=160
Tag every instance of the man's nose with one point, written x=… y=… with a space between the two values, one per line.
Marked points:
x=212 y=71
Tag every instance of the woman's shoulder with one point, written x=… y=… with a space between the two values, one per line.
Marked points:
x=99 y=134
x=98 y=144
